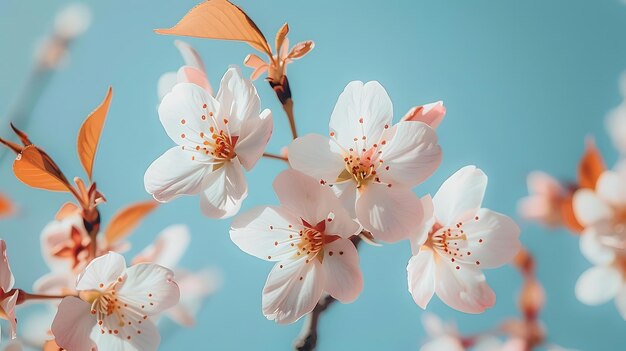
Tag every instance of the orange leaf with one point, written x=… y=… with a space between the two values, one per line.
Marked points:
x=124 y=221
x=89 y=134
x=35 y=168
x=219 y=19
x=568 y=217
x=280 y=36
x=591 y=166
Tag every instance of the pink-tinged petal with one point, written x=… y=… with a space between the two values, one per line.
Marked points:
x=265 y=232
x=421 y=277
x=177 y=172
x=464 y=289
x=35 y=327
x=611 y=187
x=460 y=196
x=589 y=208
x=492 y=239
x=101 y=272
x=292 y=290
x=313 y=155
x=358 y=102
x=166 y=83
x=446 y=342
x=620 y=302
x=55 y=283
x=299 y=50
x=433 y=325
x=188 y=74
x=195 y=287
x=421 y=235
x=6 y=276
x=598 y=285
x=150 y=286
x=542 y=183
x=181 y=113
x=593 y=249
x=313 y=202
x=226 y=190
x=238 y=99
x=137 y=337
x=8 y=306
x=168 y=248
x=73 y=324
x=347 y=193
x=258 y=72
x=253 y=138
x=255 y=62
x=431 y=114
x=344 y=280
x=190 y=55
x=390 y=213
x=57 y=235
x=616 y=127
x=411 y=156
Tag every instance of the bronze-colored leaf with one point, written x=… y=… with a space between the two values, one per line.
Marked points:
x=569 y=218
x=301 y=49
x=89 y=134
x=219 y=19
x=35 y=168
x=591 y=166
x=124 y=221
x=280 y=36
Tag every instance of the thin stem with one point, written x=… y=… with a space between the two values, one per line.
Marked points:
x=288 y=107
x=276 y=157
x=307 y=340
x=283 y=93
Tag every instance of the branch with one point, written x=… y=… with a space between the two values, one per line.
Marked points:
x=276 y=157
x=307 y=340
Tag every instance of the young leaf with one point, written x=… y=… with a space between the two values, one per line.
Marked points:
x=89 y=134
x=124 y=221
x=35 y=168
x=591 y=166
x=219 y=19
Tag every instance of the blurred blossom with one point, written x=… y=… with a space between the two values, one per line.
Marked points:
x=8 y=296
x=431 y=114
x=192 y=72
x=616 y=120
x=546 y=196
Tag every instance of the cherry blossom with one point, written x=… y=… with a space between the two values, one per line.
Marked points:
x=543 y=204
x=457 y=239
x=8 y=296
x=431 y=114
x=440 y=336
x=167 y=250
x=217 y=138
x=308 y=236
x=370 y=163
x=114 y=306
x=192 y=72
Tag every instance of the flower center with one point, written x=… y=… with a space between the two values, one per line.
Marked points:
x=309 y=241
x=452 y=243
x=219 y=143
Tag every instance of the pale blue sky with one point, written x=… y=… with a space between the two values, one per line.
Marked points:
x=524 y=82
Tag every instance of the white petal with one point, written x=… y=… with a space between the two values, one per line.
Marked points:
x=238 y=99
x=616 y=127
x=390 y=214
x=150 y=286
x=292 y=290
x=347 y=193
x=460 y=196
x=101 y=272
x=367 y=101
x=190 y=55
x=168 y=248
x=412 y=154
x=313 y=202
x=344 y=280
x=253 y=137
x=611 y=187
x=227 y=188
x=421 y=277
x=55 y=283
x=8 y=306
x=589 y=208
x=542 y=183
x=6 y=276
x=181 y=113
x=188 y=74
x=593 y=249
x=446 y=342
x=598 y=285
x=492 y=239
x=312 y=155
x=265 y=232
x=420 y=236
x=620 y=301
x=175 y=173
x=143 y=337
x=73 y=325
x=195 y=287
x=166 y=84
x=464 y=289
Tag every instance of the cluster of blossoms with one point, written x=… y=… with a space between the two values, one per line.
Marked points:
x=592 y=208
x=355 y=184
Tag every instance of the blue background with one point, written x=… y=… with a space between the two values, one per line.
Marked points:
x=524 y=82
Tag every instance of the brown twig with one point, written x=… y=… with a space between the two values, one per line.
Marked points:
x=276 y=157
x=307 y=340
x=283 y=93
